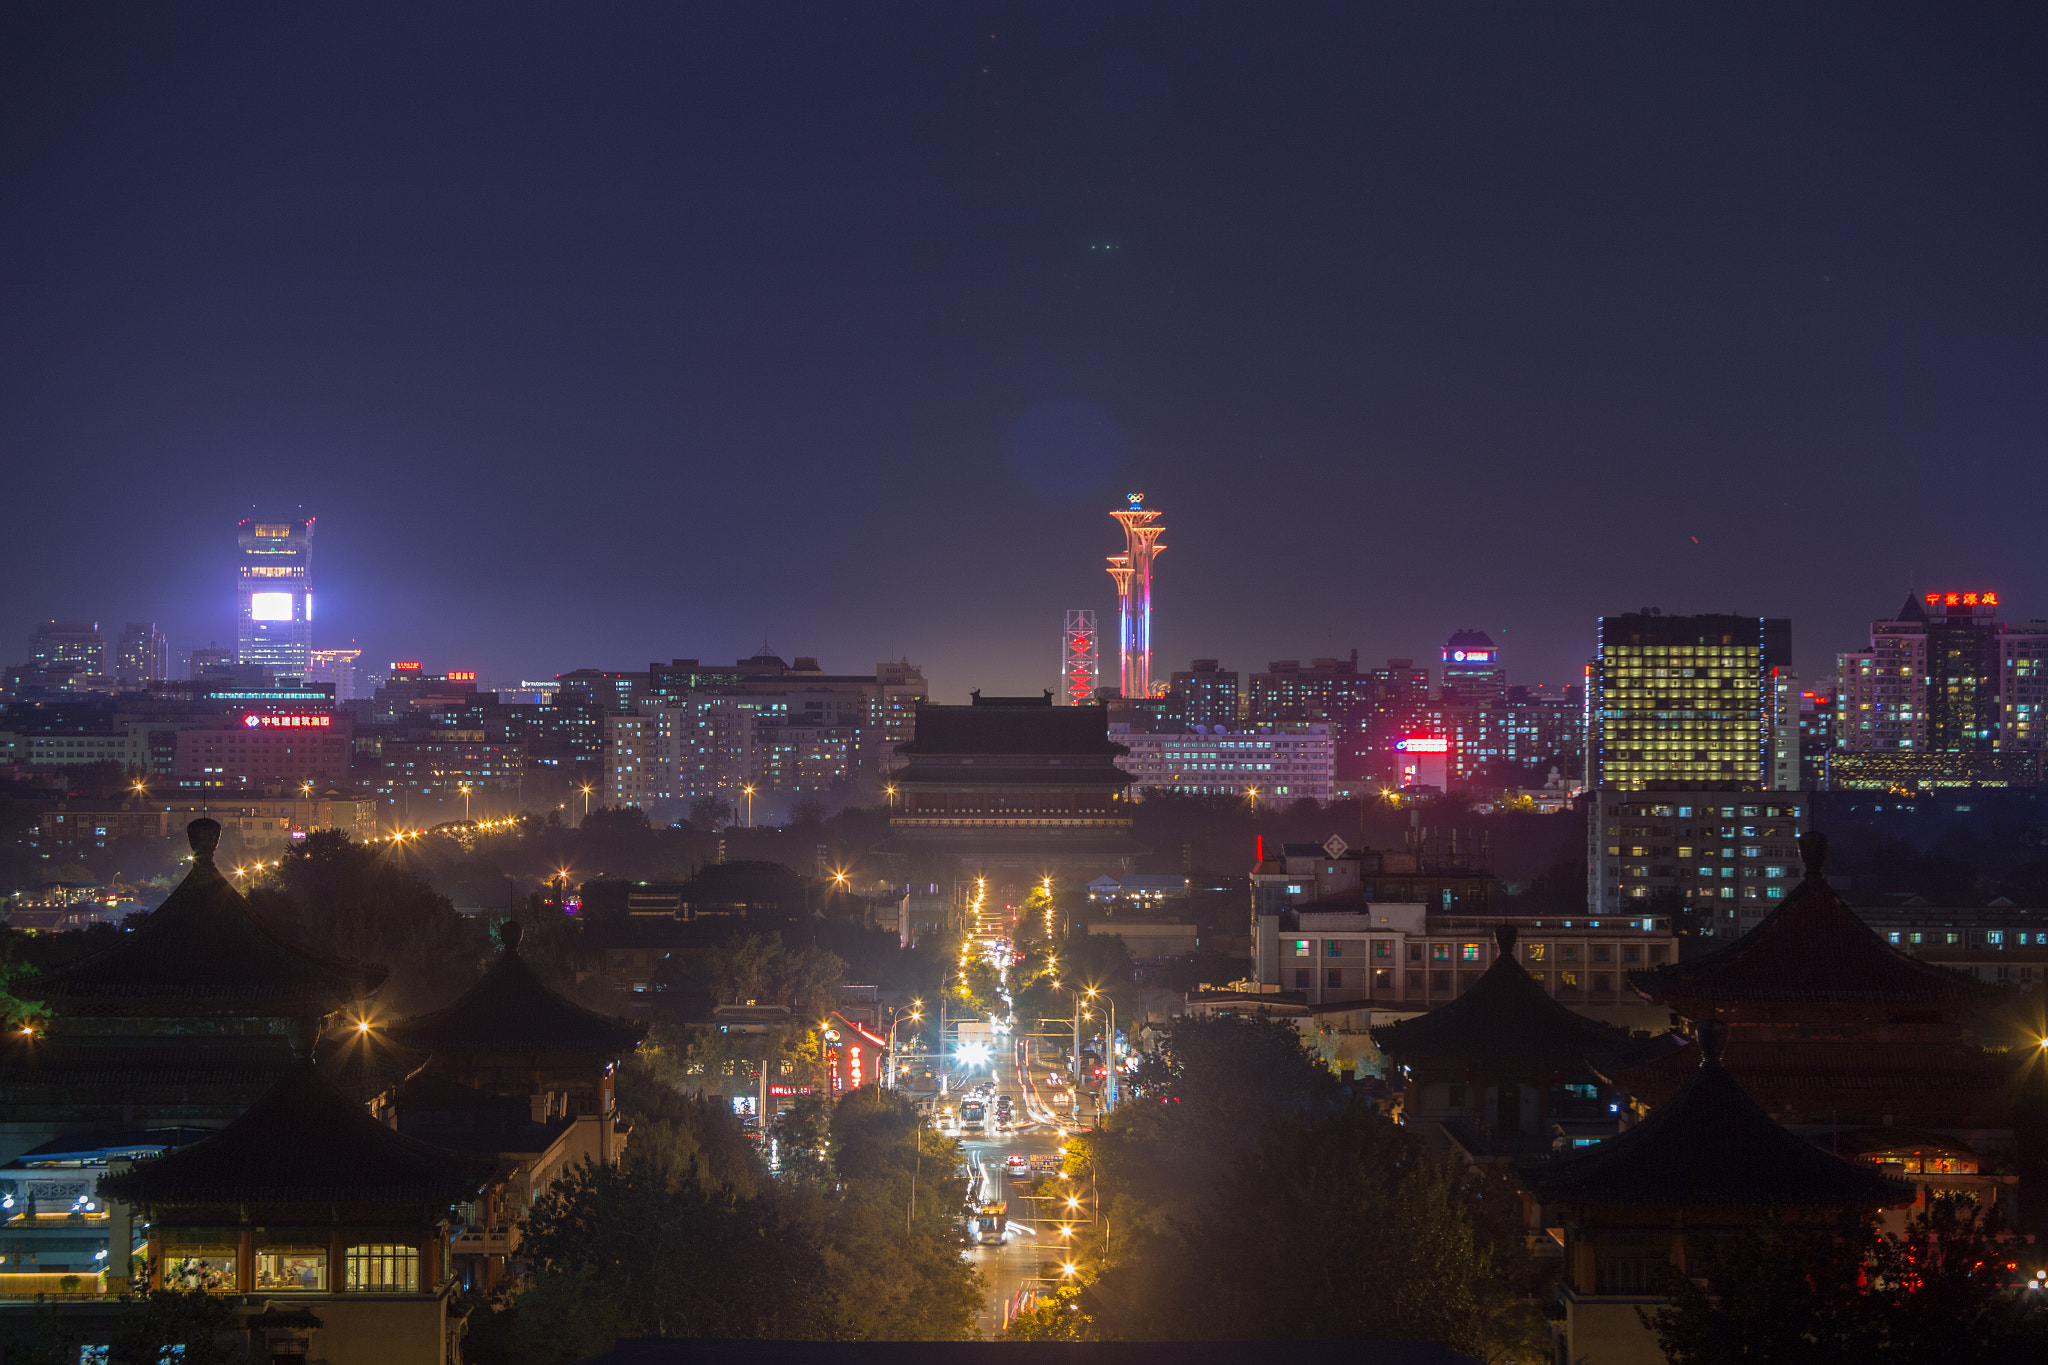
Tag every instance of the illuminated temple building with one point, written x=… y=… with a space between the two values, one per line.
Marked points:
x=1639 y=1206
x=522 y=1075
x=224 y=1095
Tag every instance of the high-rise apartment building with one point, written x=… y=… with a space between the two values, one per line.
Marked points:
x=1278 y=764
x=142 y=656
x=1945 y=694
x=1683 y=699
x=1206 y=694
x=274 y=596
x=1328 y=690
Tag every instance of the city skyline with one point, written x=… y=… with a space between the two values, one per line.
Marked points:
x=1523 y=360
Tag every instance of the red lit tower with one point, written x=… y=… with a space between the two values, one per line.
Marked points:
x=1080 y=659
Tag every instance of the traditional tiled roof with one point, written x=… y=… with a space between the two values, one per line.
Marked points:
x=1011 y=725
x=512 y=1008
x=1710 y=1145
x=1812 y=950
x=204 y=943
x=1503 y=1026
x=303 y=1142
x=364 y=1063
x=152 y=1061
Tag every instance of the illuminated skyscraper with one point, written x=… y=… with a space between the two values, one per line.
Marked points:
x=1132 y=571
x=1080 y=659
x=274 y=596
x=1472 y=670
x=1684 y=699
x=337 y=666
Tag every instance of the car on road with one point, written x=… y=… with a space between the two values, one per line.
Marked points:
x=1005 y=1109
x=1017 y=1164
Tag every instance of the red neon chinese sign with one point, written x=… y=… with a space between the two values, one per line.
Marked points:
x=1423 y=744
x=287 y=722
x=409 y=666
x=1962 y=599
x=463 y=677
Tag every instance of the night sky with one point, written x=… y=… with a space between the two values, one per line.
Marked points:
x=602 y=333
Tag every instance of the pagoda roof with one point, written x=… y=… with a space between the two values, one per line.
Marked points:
x=1011 y=725
x=206 y=943
x=1710 y=1145
x=1504 y=1024
x=303 y=1142
x=1812 y=950
x=511 y=1007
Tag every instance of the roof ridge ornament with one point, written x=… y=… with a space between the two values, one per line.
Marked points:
x=1504 y=936
x=204 y=836
x=509 y=934
x=1813 y=851
x=1713 y=1042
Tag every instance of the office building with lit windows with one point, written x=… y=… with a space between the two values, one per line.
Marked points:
x=1473 y=672
x=274 y=596
x=1282 y=763
x=1679 y=699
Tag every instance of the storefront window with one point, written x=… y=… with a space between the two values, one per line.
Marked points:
x=384 y=1269
x=289 y=1268
x=208 y=1268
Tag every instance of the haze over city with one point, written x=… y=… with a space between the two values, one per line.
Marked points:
x=675 y=331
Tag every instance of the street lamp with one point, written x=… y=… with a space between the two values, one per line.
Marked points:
x=586 y=801
x=1253 y=793
x=465 y=801
x=891 y=789
x=748 y=792
x=916 y=1013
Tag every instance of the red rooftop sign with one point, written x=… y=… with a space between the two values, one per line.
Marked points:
x=287 y=722
x=1962 y=599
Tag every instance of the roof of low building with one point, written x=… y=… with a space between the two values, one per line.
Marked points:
x=303 y=1142
x=1503 y=1026
x=1812 y=950
x=511 y=1007
x=1710 y=1145
x=205 y=942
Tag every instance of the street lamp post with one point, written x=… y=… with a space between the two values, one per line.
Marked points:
x=916 y=1013
x=465 y=803
x=586 y=801
x=748 y=792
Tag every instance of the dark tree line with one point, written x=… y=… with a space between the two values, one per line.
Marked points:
x=691 y=1236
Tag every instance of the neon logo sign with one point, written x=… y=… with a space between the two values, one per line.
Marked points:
x=463 y=677
x=409 y=666
x=1472 y=656
x=287 y=722
x=1423 y=744
x=1962 y=599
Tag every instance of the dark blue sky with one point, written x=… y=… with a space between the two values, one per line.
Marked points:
x=595 y=334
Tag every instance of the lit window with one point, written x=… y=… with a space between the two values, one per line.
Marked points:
x=392 y=1269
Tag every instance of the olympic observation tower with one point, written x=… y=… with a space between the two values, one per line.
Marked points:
x=1132 y=571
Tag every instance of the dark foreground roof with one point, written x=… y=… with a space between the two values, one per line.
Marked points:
x=1812 y=950
x=678 y=1351
x=1011 y=725
x=1710 y=1145
x=303 y=1142
x=205 y=943
x=1504 y=1027
x=512 y=1008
